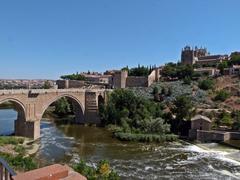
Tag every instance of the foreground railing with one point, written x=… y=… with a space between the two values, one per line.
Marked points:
x=6 y=172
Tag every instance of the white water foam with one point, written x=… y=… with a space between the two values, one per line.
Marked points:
x=224 y=172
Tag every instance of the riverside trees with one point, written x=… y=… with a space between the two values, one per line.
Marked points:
x=135 y=118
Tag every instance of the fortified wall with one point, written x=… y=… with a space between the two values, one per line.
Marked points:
x=122 y=80
x=66 y=84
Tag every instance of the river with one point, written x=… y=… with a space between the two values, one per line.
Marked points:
x=180 y=161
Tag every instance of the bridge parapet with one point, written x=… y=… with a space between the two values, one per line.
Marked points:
x=43 y=91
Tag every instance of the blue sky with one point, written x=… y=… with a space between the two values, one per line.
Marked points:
x=47 y=38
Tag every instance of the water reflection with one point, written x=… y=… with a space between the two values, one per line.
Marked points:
x=180 y=161
x=7 y=118
x=135 y=160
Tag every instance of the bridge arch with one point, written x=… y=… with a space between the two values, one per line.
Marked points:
x=18 y=106
x=77 y=106
x=21 y=114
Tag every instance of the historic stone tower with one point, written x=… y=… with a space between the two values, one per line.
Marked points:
x=190 y=55
x=120 y=79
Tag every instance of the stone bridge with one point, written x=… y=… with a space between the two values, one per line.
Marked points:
x=31 y=105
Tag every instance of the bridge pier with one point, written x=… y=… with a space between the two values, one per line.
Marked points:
x=79 y=116
x=30 y=129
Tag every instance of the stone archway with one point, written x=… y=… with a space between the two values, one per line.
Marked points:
x=21 y=115
x=77 y=107
x=101 y=100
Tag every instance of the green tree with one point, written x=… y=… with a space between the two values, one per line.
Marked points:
x=222 y=66
x=235 y=59
x=226 y=119
x=183 y=108
x=47 y=85
x=74 y=77
x=131 y=112
x=169 y=70
x=62 y=106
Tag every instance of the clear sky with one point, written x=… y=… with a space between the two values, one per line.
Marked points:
x=47 y=38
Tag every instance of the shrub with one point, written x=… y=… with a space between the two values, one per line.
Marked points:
x=222 y=95
x=206 y=84
x=103 y=170
x=145 y=137
x=187 y=80
x=19 y=162
x=155 y=90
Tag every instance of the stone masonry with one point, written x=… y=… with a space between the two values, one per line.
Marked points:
x=31 y=105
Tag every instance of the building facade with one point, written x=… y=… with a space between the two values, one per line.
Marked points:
x=200 y=56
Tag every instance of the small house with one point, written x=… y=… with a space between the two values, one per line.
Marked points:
x=199 y=122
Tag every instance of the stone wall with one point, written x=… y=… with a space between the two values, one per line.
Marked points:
x=122 y=80
x=33 y=103
x=208 y=136
x=214 y=136
x=134 y=81
x=153 y=77
x=65 y=84
x=235 y=135
x=119 y=79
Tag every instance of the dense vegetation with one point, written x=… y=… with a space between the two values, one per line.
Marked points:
x=167 y=92
x=74 y=77
x=139 y=71
x=135 y=118
x=102 y=171
x=180 y=71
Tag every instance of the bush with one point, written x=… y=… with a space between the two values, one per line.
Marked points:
x=103 y=171
x=187 y=80
x=206 y=84
x=222 y=95
x=19 y=162
x=155 y=90
x=145 y=137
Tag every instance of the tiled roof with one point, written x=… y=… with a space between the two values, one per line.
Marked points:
x=197 y=117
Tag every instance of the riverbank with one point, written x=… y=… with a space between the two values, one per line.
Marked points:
x=18 y=152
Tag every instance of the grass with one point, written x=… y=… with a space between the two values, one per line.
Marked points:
x=10 y=140
x=19 y=162
x=20 y=149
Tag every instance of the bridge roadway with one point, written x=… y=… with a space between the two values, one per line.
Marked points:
x=32 y=103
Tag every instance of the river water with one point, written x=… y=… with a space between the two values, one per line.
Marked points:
x=180 y=161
